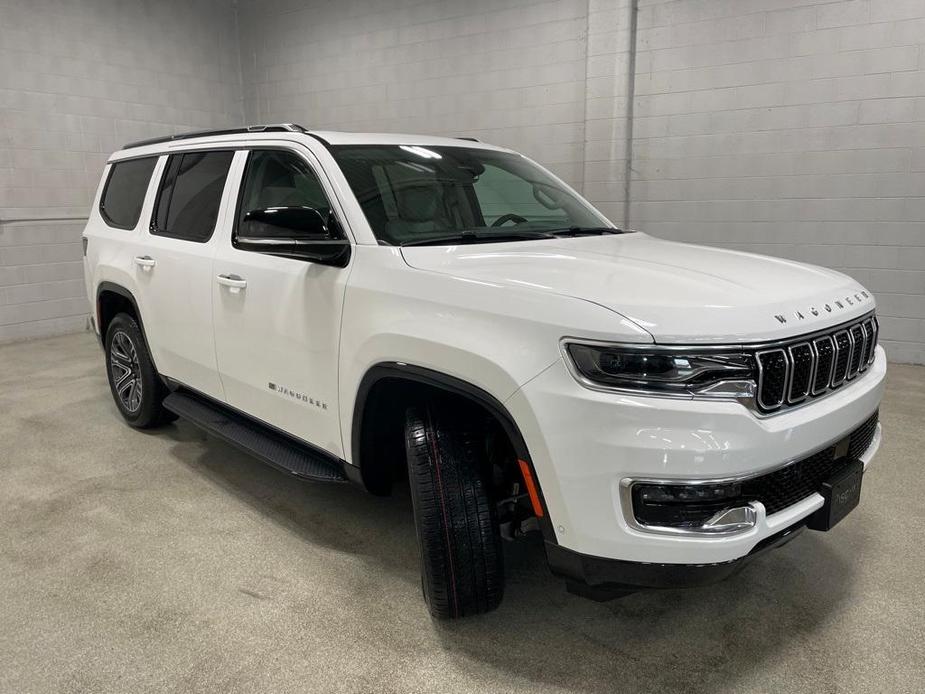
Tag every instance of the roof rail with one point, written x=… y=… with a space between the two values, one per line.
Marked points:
x=471 y=139
x=273 y=128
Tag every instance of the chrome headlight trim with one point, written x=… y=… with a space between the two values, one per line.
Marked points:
x=722 y=389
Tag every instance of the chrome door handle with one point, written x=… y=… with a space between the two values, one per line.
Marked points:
x=145 y=261
x=233 y=282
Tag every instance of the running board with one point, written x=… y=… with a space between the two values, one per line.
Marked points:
x=265 y=444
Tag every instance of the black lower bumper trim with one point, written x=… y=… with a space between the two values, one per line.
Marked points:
x=595 y=577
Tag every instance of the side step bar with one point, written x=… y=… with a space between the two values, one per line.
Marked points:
x=269 y=446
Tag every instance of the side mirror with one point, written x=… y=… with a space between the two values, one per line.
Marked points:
x=302 y=233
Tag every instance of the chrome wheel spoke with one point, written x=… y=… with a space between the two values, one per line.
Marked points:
x=120 y=372
x=122 y=348
x=134 y=395
x=126 y=372
x=126 y=389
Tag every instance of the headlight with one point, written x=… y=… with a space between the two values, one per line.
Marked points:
x=664 y=371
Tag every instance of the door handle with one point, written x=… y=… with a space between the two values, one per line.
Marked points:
x=145 y=261
x=233 y=282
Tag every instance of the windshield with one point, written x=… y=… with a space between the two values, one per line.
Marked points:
x=415 y=195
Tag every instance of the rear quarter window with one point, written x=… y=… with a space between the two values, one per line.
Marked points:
x=125 y=190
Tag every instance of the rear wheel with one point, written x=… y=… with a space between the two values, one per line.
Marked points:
x=136 y=388
x=462 y=569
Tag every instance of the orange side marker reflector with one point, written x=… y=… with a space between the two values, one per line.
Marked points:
x=531 y=488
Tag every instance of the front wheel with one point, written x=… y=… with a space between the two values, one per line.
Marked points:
x=462 y=567
x=136 y=388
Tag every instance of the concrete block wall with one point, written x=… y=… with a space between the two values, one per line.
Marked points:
x=506 y=71
x=794 y=128
x=77 y=81
x=608 y=106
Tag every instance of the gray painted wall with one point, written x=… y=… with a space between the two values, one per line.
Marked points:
x=77 y=81
x=789 y=127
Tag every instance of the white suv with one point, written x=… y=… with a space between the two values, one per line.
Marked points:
x=370 y=307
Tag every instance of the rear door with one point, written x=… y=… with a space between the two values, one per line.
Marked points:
x=173 y=267
x=277 y=320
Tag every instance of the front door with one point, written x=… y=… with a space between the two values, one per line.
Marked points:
x=277 y=320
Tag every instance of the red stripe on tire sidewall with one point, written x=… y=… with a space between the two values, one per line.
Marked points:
x=446 y=524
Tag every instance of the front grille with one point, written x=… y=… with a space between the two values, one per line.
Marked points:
x=806 y=368
x=784 y=487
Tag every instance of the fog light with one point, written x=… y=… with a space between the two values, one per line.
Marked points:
x=691 y=506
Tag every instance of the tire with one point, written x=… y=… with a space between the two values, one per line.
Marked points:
x=135 y=385
x=462 y=569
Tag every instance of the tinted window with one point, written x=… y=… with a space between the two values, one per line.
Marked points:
x=499 y=191
x=190 y=195
x=275 y=178
x=411 y=194
x=125 y=191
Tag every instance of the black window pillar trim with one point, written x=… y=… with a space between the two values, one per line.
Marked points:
x=456 y=386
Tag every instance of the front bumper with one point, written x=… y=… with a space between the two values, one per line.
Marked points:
x=586 y=444
x=600 y=578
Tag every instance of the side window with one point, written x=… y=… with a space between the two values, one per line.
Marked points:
x=278 y=179
x=190 y=195
x=125 y=190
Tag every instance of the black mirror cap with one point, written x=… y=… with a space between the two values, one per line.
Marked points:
x=285 y=222
x=300 y=233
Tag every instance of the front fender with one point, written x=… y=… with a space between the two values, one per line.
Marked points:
x=493 y=337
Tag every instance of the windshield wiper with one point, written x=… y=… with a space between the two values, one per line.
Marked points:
x=584 y=231
x=470 y=236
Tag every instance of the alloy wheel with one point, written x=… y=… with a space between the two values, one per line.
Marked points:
x=126 y=372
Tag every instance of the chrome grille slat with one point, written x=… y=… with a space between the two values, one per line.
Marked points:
x=865 y=353
x=790 y=374
x=856 y=333
x=801 y=371
x=875 y=324
x=773 y=376
x=824 y=348
x=842 y=355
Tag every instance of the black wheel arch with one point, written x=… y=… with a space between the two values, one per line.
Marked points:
x=103 y=318
x=424 y=376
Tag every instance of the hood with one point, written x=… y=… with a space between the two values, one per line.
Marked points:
x=677 y=292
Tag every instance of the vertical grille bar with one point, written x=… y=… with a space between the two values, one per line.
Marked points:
x=802 y=358
x=842 y=355
x=875 y=324
x=860 y=347
x=856 y=335
x=868 y=344
x=825 y=362
x=773 y=370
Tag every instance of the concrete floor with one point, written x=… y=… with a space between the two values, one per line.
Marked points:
x=168 y=562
